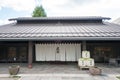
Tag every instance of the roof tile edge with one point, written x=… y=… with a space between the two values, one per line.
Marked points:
x=61 y=18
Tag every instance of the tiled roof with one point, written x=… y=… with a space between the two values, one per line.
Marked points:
x=63 y=31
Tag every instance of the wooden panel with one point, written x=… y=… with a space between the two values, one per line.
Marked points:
x=30 y=54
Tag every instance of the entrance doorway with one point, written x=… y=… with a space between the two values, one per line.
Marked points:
x=58 y=52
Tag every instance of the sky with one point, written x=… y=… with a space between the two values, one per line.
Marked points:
x=24 y=8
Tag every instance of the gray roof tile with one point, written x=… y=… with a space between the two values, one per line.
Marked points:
x=47 y=31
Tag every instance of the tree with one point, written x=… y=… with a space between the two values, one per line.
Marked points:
x=39 y=12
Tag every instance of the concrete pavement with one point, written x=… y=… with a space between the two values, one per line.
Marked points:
x=67 y=71
x=67 y=77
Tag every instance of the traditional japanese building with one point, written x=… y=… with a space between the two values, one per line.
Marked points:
x=58 y=39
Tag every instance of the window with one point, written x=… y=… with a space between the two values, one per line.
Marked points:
x=12 y=53
x=102 y=54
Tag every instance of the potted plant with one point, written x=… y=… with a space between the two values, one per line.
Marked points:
x=95 y=71
x=14 y=69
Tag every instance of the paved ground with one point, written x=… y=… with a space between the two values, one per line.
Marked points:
x=41 y=68
x=66 y=71
x=62 y=77
x=69 y=78
x=6 y=78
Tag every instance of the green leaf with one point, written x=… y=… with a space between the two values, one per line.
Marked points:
x=39 y=12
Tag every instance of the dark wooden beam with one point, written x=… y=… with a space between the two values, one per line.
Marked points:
x=30 y=54
x=84 y=45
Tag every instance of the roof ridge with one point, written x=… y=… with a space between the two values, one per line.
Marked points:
x=61 y=18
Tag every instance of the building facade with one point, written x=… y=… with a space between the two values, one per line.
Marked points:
x=58 y=39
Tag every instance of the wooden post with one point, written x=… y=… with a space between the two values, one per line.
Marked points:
x=30 y=54
x=84 y=45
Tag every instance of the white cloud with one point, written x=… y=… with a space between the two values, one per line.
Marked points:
x=6 y=21
x=110 y=8
x=18 y=5
x=2 y=22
